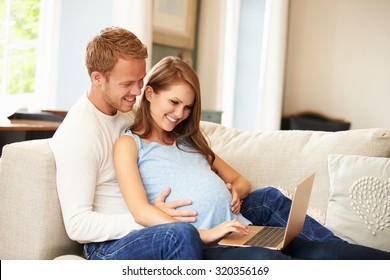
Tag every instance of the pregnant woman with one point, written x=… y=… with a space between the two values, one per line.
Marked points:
x=165 y=147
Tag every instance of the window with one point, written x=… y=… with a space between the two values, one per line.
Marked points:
x=19 y=43
x=27 y=43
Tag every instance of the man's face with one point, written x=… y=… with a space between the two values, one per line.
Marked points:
x=123 y=85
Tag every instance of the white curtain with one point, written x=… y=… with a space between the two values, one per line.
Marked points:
x=230 y=46
x=271 y=80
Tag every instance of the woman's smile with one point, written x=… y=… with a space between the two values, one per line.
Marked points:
x=172 y=119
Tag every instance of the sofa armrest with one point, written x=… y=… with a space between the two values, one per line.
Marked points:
x=31 y=225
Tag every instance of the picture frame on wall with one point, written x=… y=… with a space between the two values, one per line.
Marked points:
x=174 y=23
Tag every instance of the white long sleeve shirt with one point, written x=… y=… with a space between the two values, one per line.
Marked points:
x=91 y=202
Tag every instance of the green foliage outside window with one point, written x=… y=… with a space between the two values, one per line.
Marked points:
x=1 y=63
x=21 y=71
x=19 y=26
x=25 y=19
x=2 y=20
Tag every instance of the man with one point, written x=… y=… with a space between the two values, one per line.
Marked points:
x=93 y=209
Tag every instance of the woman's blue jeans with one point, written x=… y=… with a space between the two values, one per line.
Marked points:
x=269 y=207
x=174 y=241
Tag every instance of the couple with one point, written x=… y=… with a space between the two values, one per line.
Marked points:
x=96 y=208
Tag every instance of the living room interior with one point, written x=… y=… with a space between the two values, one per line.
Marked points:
x=258 y=61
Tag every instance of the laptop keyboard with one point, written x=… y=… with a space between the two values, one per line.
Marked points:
x=267 y=237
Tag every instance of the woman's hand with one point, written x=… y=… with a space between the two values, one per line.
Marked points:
x=236 y=201
x=218 y=232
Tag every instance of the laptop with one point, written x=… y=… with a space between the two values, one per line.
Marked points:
x=277 y=238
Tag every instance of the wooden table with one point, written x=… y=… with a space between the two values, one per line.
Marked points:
x=29 y=125
x=21 y=130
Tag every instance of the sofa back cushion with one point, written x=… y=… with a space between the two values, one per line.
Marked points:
x=0 y=169
x=31 y=225
x=286 y=157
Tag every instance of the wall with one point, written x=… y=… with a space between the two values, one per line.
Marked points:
x=80 y=20
x=338 y=60
x=160 y=51
x=77 y=27
x=210 y=54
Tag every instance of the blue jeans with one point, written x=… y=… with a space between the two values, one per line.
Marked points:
x=269 y=207
x=243 y=253
x=174 y=241
x=300 y=248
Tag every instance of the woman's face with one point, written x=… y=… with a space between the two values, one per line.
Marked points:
x=170 y=107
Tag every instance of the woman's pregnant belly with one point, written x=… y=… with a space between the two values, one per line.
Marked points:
x=190 y=178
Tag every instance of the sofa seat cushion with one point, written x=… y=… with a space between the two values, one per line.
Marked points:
x=284 y=158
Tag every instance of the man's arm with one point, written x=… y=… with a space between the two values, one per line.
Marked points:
x=78 y=161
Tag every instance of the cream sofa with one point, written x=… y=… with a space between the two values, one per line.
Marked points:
x=31 y=225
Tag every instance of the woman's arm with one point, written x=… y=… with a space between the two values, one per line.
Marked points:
x=221 y=230
x=237 y=184
x=133 y=191
x=130 y=184
x=229 y=175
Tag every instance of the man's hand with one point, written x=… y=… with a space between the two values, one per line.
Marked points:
x=188 y=216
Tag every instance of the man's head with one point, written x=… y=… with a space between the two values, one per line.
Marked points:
x=112 y=43
x=115 y=59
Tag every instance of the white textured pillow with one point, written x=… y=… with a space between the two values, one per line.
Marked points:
x=359 y=202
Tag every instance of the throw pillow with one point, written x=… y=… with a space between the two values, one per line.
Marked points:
x=359 y=202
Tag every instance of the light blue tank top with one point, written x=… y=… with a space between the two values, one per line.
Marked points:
x=189 y=176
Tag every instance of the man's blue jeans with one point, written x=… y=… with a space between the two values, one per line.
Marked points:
x=174 y=241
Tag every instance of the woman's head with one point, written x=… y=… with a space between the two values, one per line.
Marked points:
x=176 y=82
x=172 y=77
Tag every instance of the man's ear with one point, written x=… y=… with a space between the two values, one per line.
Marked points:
x=148 y=92
x=97 y=78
